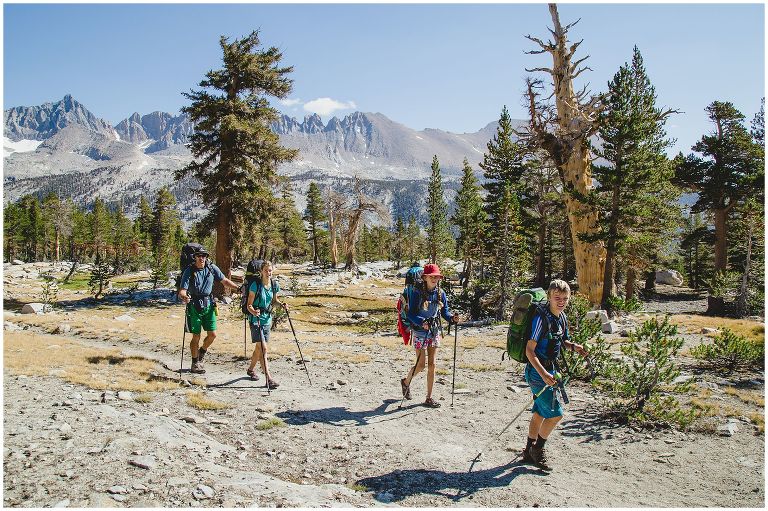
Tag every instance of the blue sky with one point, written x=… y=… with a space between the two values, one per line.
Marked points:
x=446 y=66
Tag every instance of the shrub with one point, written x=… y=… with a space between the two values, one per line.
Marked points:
x=50 y=293
x=639 y=386
x=582 y=331
x=619 y=304
x=730 y=351
x=273 y=422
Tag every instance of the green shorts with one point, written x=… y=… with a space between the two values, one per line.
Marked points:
x=205 y=319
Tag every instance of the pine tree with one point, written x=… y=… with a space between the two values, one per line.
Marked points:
x=729 y=170
x=439 y=239
x=315 y=213
x=633 y=143
x=57 y=219
x=99 y=233
x=165 y=224
x=697 y=238
x=470 y=219
x=291 y=226
x=398 y=242
x=234 y=148
x=503 y=165
x=413 y=240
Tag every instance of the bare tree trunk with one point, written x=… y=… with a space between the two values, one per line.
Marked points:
x=721 y=246
x=629 y=290
x=568 y=146
x=540 y=252
x=224 y=250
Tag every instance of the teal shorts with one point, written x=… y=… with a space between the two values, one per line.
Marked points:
x=206 y=319
x=547 y=405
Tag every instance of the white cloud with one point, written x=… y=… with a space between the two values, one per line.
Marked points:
x=327 y=106
x=289 y=102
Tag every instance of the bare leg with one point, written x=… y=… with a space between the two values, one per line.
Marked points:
x=431 y=352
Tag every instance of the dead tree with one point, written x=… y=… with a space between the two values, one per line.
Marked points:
x=563 y=131
x=335 y=204
x=355 y=215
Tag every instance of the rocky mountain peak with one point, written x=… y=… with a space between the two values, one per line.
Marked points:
x=43 y=121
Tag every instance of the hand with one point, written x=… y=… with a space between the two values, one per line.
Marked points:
x=185 y=298
x=425 y=325
x=455 y=319
x=549 y=379
x=578 y=348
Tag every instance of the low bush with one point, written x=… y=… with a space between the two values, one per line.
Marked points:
x=730 y=351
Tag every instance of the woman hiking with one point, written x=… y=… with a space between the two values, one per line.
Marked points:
x=426 y=302
x=262 y=295
x=547 y=334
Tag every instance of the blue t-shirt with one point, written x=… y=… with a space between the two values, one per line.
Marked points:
x=263 y=296
x=199 y=283
x=417 y=314
x=548 y=339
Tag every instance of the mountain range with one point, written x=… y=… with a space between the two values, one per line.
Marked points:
x=63 y=147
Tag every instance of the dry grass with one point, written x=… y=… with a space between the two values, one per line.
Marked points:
x=201 y=402
x=143 y=398
x=746 y=396
x=102 y=369
x=758 y=419
x=692 y=323
x=270 y=423
x=714 y=409
x=481 y=367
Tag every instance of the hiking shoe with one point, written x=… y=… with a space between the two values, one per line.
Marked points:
x=405 y=388
x=197 y=368
x=272 y=384
x=527 y=456
x=252 y=374
x=540 y=459
x=431 y=403
x=201 y=353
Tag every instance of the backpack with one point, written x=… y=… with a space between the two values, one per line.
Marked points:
x=252 y=274
x=413 y=278
x=527 y=303
x=187 y=259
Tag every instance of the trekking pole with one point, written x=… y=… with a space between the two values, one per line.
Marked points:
x=455 y=341
x=245 y=334
x=297 y=342
x=539 y=393
x=264 y=359
x=412 y=374
x=183 y=342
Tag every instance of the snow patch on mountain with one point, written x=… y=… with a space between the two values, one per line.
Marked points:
x=21 y=146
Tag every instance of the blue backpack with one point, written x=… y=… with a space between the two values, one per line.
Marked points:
x=413 y=278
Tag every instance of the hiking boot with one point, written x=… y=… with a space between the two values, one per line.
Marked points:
x=431 y=403
x=406 y=389
x=252 y=374
x=272 y=384
x=201 y=353
x=527 y=456
x=540 y=458
x=197 y=368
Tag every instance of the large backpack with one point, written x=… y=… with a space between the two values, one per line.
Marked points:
x=527 y=304
x=413 y=278
x=252 y=274
x=187 y=259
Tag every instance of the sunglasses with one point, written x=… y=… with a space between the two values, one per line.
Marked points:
x=201 y=256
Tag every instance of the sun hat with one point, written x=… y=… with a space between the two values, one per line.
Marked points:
x=432 y=270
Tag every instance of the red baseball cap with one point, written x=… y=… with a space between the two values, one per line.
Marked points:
x=432 y=270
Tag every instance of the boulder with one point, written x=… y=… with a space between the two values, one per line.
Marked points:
x=670 y=277
x=610 y=327
x=598 y=314
x=33 y=308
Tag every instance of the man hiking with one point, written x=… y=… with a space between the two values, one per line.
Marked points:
x=547 y=334
x=195 y=290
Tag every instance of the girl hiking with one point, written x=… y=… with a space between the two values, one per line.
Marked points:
x=262 y=295
x=547 y=334
x=425 y=302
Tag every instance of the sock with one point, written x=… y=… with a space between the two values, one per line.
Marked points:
x=201 y=353
x=530 y=443
x=194 y=360
x=540 y=442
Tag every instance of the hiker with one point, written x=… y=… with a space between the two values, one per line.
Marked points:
x=426 y=302
x=195 y=288
x=262 y=295
x=542 y=350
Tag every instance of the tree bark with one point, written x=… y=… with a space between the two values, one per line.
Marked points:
x=721 y=246
x=224 y=249
x=741 y=304
x=540 y=252
x=629 y=289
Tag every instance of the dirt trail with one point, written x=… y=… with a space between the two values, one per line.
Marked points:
x=345 y=441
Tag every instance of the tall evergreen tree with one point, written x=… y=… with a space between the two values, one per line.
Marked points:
x=291 y=227
x=122 y=238
x=729 y=170
x=314 y=214
x=165 y=224
x=633 y=143
x=413 y=240
x=234 y=148
x=470 y=219
x=439 y=239
x=503 y=165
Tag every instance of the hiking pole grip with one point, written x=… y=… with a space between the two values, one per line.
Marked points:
x=288 y=315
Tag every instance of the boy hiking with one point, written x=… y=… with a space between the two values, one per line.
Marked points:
x=262 y=295
x=547 y=334
x=425 y=302
x=195 y=288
